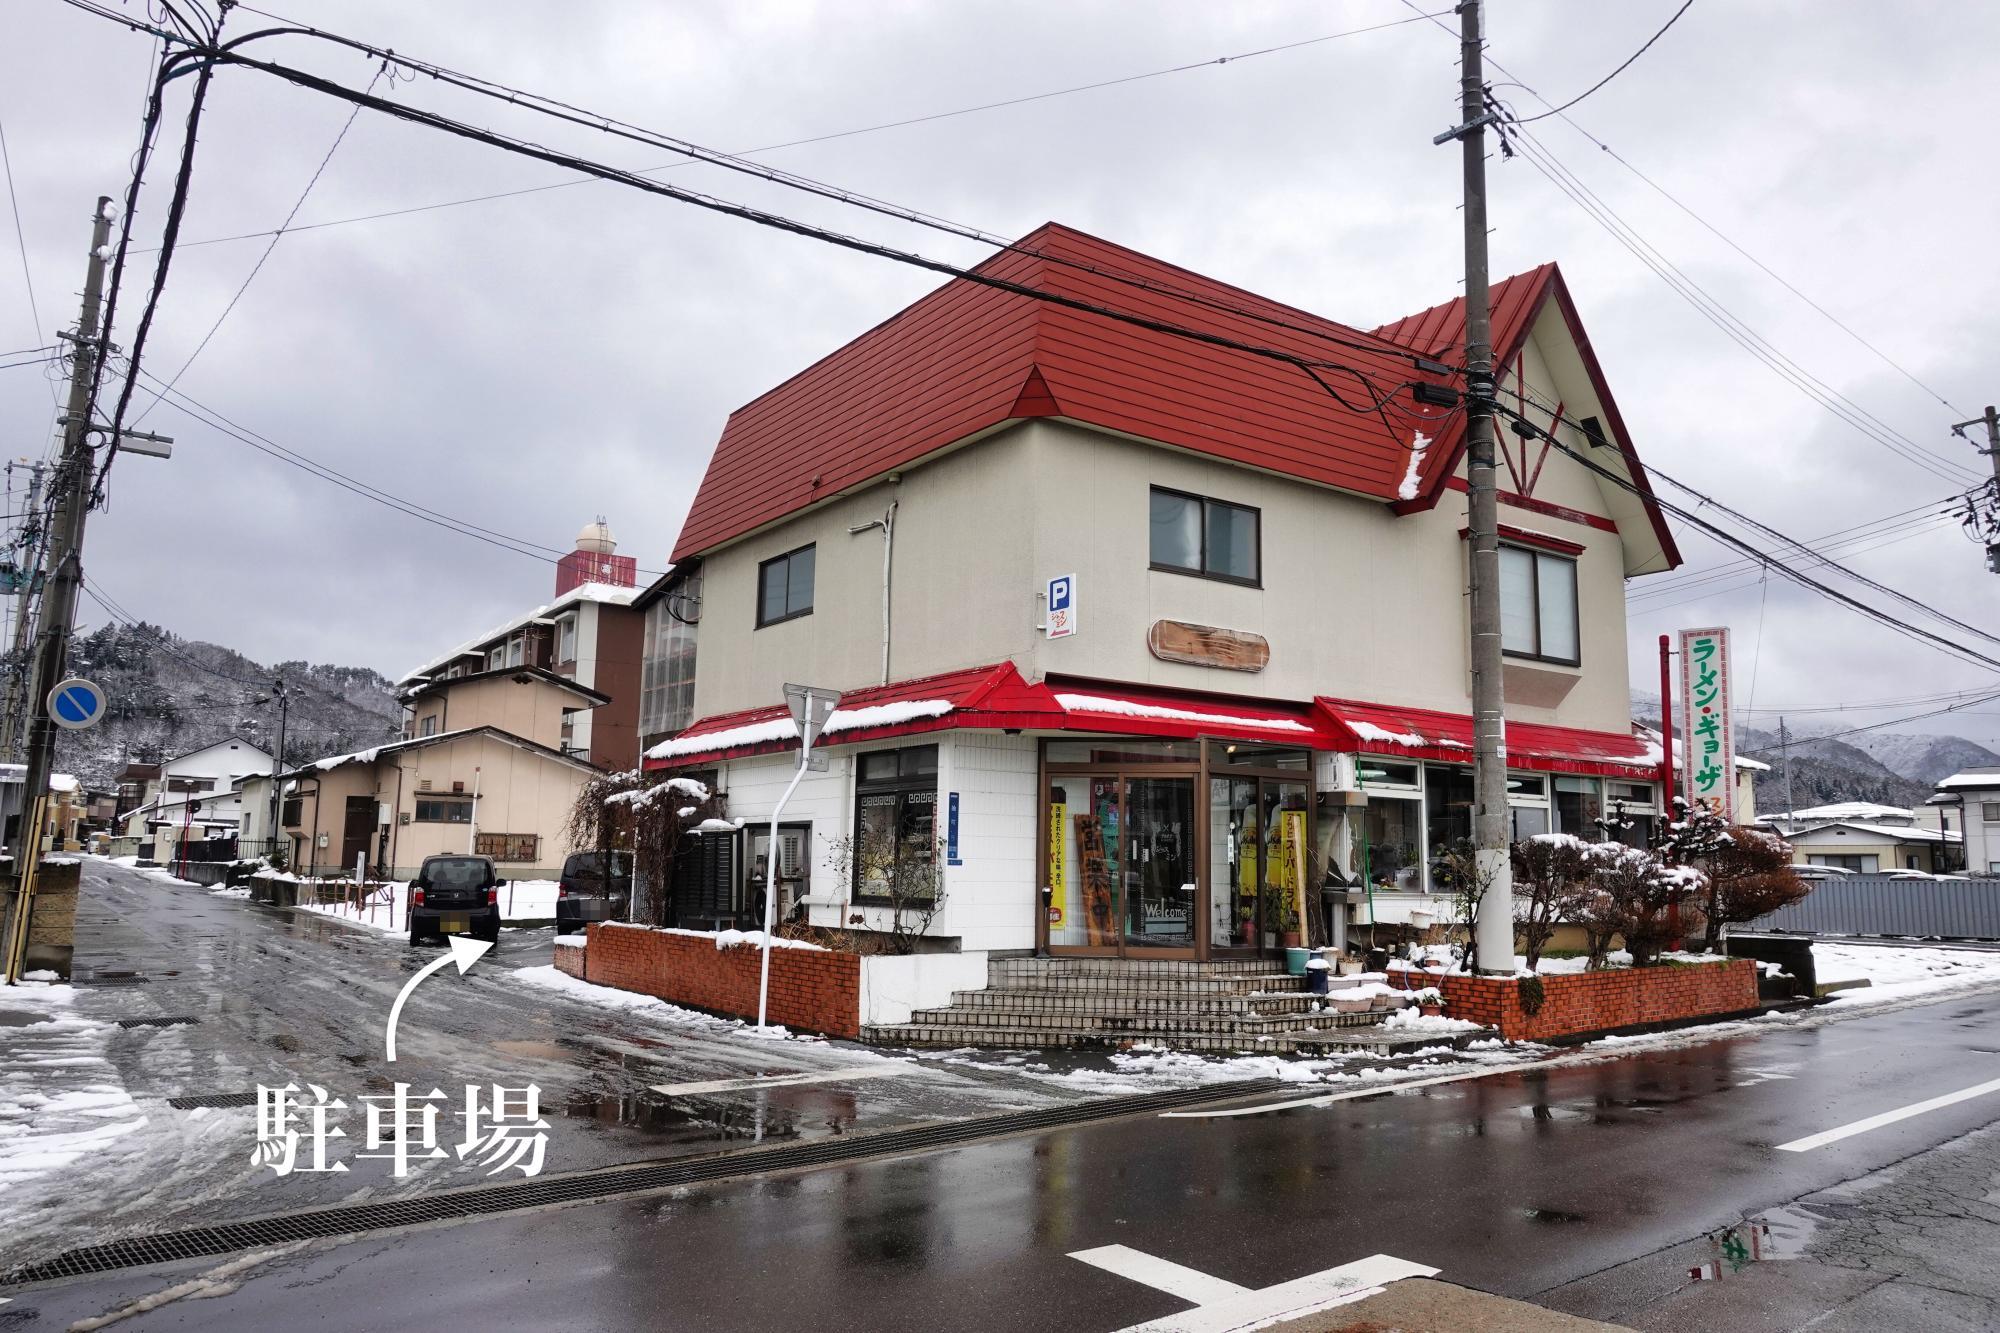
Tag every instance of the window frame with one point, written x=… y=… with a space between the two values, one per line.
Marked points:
x=463 y=803
x=786 y=557
x=902 y=788
x=1537 y=555
x=1256 y=580
x=1989 y=812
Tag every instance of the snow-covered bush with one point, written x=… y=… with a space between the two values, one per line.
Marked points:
x=1551 y=883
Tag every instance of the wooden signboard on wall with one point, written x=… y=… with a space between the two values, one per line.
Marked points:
x=1205 y=645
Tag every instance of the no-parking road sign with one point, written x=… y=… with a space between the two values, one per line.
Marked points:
x=76 y=704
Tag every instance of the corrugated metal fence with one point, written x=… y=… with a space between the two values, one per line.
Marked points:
x=1967 y=909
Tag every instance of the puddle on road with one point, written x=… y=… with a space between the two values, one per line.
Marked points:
x=1553 y=1216
x=20 y=1018
x=685 y=1121
x=1786 y=1232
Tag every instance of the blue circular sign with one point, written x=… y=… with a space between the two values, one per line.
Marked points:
x=75 y=704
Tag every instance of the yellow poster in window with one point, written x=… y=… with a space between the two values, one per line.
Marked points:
x=1289 y=874
x=1058 y=866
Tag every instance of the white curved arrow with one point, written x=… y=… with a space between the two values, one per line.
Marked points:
x=464 y=951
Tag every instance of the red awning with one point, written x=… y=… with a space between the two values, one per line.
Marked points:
x=990 y=696
x=1136 y=711
x=1421 y=733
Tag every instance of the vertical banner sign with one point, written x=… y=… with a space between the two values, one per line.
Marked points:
x=1061 y=621
x=951 y=831
x=1708 y=736
x=1058 y=864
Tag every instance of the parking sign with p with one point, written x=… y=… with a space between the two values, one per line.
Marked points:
x=1061 y=621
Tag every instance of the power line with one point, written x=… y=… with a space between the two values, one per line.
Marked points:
x=1877 y=726
x=1870 y=706
x=1923 y=513
x=21 y=239
x=1556 y=111
x=1688 y=516
x=832 y=135
x=258 y=267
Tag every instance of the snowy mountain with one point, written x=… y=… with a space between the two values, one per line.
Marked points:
x=1924 y=759
x=169 y=695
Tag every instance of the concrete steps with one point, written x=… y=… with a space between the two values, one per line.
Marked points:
x=1241 y=1005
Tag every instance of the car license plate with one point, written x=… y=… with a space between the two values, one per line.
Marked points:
x=452 y=925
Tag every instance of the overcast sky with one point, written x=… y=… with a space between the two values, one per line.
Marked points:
x=528 y=363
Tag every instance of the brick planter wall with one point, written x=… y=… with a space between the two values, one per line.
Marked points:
x=1575 y=1004
x=813 y=989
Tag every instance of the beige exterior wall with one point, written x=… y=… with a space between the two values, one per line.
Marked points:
x=519 y=792
x=532 y=710
x=1355 y=602
x=1853 y=842
x=323 y=814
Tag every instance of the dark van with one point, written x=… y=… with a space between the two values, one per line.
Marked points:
x=455 y=895
x=595 y=886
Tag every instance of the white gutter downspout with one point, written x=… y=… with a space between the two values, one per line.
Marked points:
x=888 y=525
x=472 y=833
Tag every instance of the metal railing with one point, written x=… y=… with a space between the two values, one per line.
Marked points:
x=1963 y=909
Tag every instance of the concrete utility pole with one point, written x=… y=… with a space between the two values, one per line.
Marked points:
x=17 y=656
x=71 y=486
x=1494 y=932
x=1990 y=419
x=280 y=693
x=1785 y=752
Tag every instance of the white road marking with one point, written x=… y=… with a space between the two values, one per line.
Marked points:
x=895 y=1070
x=1825 y=1137
x=1190 y=1284
x=1329 y=1098
x=1224 y=1307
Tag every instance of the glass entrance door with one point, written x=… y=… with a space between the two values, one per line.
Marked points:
x=1158 y=906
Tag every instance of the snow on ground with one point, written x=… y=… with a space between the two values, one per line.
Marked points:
x=229 y=893
x=60 y=1099
x=610 y=997
x=387 y=905
x=1896 y=972
x=1415 y=1023
x=167 y=877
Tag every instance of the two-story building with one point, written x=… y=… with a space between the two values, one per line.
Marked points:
x=1974 y=793
x=484 y=774
x=589 y=633
x=1149 y=637
x=195 y=795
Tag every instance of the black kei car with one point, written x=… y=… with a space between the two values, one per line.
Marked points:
x=455 y=895
x=595 y=886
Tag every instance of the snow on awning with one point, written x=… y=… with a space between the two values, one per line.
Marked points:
x=1159 y=713
x=1422 y=733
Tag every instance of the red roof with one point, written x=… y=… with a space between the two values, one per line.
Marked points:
x=1423 y=733
x=967 y=357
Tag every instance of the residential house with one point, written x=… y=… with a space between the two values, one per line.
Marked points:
x=1146 y=636
x=194 y=795
x=1975 y=794
x=589 y=633
x=1868 y=838
x=494 y=781
x=257 y=832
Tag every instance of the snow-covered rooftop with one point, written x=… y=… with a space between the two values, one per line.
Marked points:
x=1862 y=810
x=1986 y=776
x=1887 y=832
x=583 y=592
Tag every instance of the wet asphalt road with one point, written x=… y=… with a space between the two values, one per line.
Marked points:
x=289 y=996
x=1517 y=1183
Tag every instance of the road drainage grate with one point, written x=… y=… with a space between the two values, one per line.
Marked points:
x=488 y=1200
x=111 y=979
x=175 y=1021
x=217 y=1099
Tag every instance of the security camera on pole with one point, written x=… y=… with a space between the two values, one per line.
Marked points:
x=811 y=707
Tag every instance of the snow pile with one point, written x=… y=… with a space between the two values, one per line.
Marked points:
x=1413 y=1022
x=1368 y=731
x=226 y=892
x=577 y=941
x=1413 y=475
x=60 y=1097
x=1090 y=703
x=642 y=797
x=729 y=738
x=387 y=906
x=886 y=715
x=725 y=939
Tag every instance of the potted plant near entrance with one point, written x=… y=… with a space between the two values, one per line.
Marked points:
x=1285 y=919
x=1430 y=1001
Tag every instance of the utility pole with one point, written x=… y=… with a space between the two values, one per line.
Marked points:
x=1493 y=937
x=284 y=698
x=17 y=655
x=1785 y=751
x=1990 y=419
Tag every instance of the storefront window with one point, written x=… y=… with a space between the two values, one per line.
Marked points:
x=1375 y=772
x=1447 y=811
x=1390 y=850
x=1527 y=821
x=1246 y=754
x=1082 y=904
x=895 y=807
x=1579 y=807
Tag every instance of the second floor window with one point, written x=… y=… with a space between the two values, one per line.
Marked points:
x=1538 y=616
x=785 y=587
x=428 y=726
x=1209 y=538
x=566 y=639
